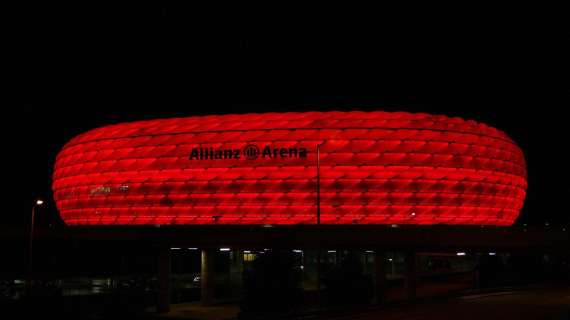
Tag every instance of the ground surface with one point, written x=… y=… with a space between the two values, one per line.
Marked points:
x=551 y=303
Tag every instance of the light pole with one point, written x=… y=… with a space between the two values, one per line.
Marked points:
x=318 y=184
x=319 y=222
x=37 y=203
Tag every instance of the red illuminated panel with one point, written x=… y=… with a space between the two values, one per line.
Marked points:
x=376 y=168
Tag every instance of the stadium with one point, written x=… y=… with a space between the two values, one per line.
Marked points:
x=277 y=168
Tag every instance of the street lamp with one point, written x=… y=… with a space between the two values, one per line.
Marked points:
x=37 y=203
x=318 y=184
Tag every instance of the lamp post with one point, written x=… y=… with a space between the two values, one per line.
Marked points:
x=37 y=203
x=318 y=184
x=319 y=222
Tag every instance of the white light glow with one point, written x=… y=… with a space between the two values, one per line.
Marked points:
x=224 y=249
x=461 y=253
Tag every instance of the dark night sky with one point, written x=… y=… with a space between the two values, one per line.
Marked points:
x=79 y=68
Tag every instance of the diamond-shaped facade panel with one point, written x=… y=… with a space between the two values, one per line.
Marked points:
x=375 y=168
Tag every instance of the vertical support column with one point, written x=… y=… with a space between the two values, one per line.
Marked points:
x=207 y=277
x=411 y=275
x=360 y=257
x=477 y=272
x=319 y=267
x=164 y=270
x=338 y=257
x=236 y=271
x=380 y=276
x=122 y=270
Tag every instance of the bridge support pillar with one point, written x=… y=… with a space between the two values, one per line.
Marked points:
x=236 y=272
x=207 y=277
x=411 y=276
x=477 y=272
x=379 y=276
x=164 y=271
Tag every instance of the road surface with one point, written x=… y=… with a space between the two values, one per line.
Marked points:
x=552 y=303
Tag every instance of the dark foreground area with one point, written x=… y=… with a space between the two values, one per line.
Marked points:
x=552 y=303
x=544 y=303
x=535 y=302
x=93 y=278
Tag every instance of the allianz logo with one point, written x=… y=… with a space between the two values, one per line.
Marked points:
x=248 y=152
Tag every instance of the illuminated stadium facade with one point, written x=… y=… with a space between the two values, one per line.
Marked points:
x=375 y=168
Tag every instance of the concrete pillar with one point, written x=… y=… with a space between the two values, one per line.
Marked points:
x=379 y=276
x=236 y=271
x=164 y=270
x=338 y=257
x=477 y=272
x=310 y=268
x=411 y=275
x=360 y=257
x=122 y=271
x=319 y=270
x=207 y=277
